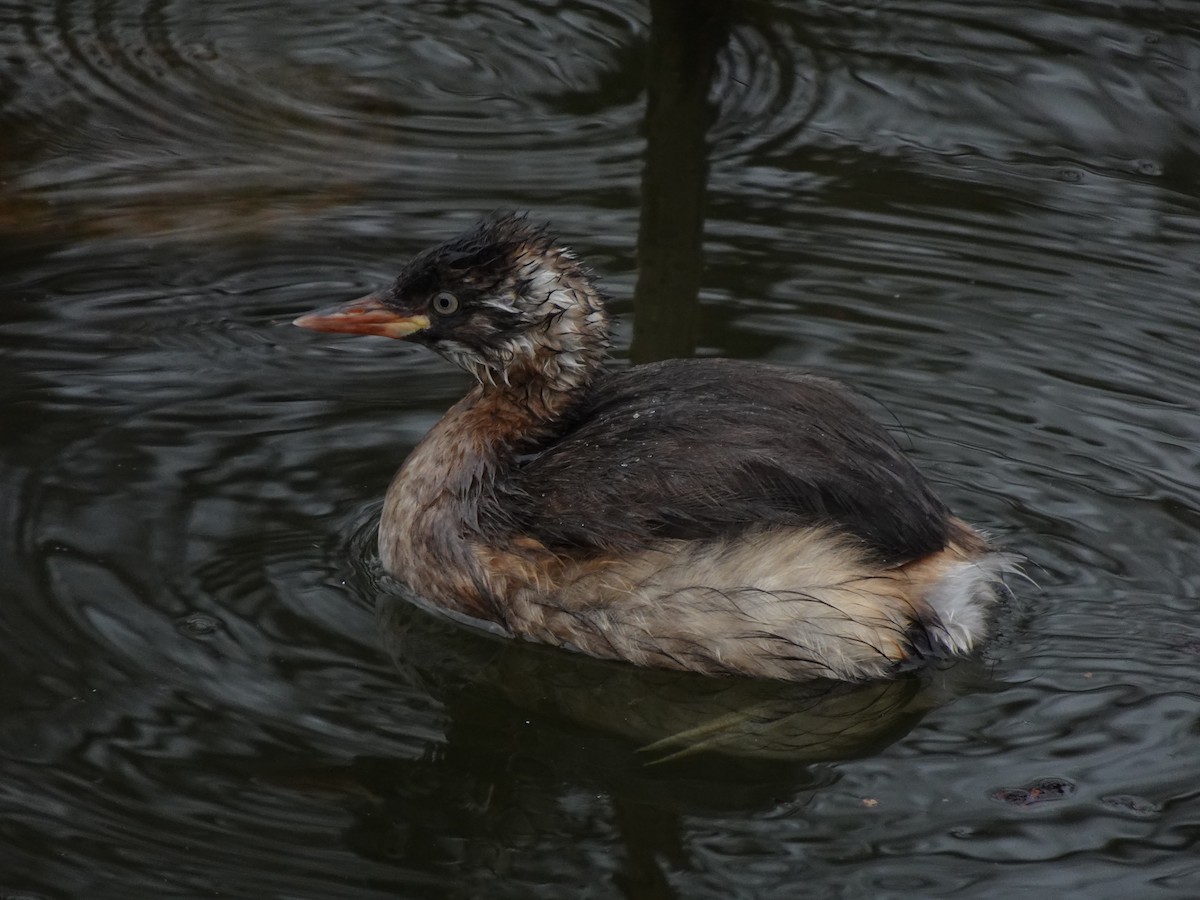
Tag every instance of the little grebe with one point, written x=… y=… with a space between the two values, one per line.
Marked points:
x=709 y=515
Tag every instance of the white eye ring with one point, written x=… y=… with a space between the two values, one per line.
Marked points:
x=445 y=303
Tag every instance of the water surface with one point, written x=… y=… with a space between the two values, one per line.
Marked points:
x=986 y=217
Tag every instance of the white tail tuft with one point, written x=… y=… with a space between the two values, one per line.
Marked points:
x=963 y=596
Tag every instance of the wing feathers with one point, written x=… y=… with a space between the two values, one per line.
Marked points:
x=701 y=449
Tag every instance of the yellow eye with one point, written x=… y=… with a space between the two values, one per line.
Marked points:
x=445 y=303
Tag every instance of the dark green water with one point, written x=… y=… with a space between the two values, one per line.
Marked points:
x=985 y=216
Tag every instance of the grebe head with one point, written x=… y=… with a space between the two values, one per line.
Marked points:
x=505 y=301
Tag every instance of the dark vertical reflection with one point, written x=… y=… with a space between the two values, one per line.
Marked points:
x=685 y=37
x=528 y=728
x=650 y=834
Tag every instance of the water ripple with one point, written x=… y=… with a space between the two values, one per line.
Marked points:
x=983 y=216
x=170 y=76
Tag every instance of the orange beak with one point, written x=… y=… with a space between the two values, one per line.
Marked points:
x=366 y=315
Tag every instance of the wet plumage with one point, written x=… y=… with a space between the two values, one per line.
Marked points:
x=711 y=515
